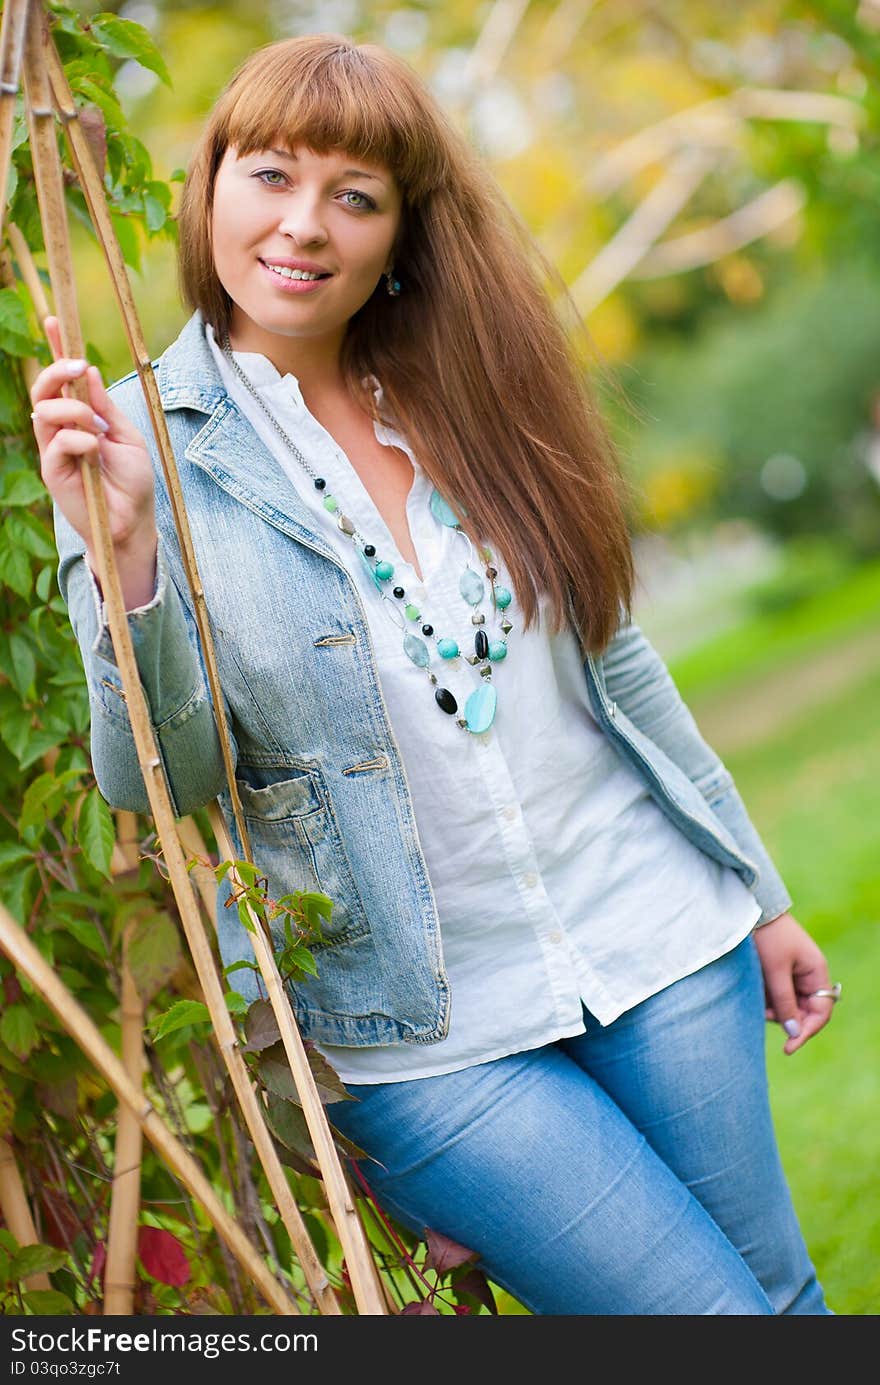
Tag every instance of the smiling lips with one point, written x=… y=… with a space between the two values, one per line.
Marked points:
x=297 y=280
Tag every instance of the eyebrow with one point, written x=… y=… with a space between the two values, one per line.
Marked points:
x=346 y=172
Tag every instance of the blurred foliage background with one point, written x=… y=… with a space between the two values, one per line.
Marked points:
x=707 y=180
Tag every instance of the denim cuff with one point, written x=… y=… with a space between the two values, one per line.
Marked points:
x=169 y=671
x=769 y=889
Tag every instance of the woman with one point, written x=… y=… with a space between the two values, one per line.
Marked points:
x=542 y=978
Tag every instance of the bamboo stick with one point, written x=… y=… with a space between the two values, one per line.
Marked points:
x=48 y=180
x=30 y=961
x=12 y=32
x=120 y=1275
x=92 y=189
x=15 y=1209
x=316 y=1275
x=354 y=1241
x=362 y=1269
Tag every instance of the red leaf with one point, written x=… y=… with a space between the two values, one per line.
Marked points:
x=461 y=1308
x=422 y=1308
x=60 y=1222
x=475 y=1283
x=444 y=1254
x=163 y=1256
x=99 y=1260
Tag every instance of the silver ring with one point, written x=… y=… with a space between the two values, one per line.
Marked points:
x=832 y=991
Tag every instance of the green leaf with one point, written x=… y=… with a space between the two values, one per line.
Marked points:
x=11 y=853
x=43 y=585
x=23 y=665
x=15 y=570
x=154 y=954
x=46 y=1302
x=235 y=1003
x=85 y=931
x=154 y=212
x=22 y=488
x=26 y=531
x=94 y=831
x=36 y=1259
x=126 y=39
x=19 y=1031
x=181 y=1013
x=15 y=335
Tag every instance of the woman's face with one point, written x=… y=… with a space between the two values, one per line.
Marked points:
x=334 y=212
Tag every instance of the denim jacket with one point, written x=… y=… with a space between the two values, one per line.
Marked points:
x=318 y=769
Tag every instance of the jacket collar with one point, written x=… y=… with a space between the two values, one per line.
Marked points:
x=187 y=377
x=225 y=446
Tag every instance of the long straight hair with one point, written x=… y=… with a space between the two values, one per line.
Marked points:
x=473 y=361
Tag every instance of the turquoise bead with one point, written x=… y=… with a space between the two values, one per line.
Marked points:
x=447 y=649
x=331 y=504
x=471 y=586
x=503 y=597
x=498 y=649
x=412 y=611
x=384 y=570
x=417 y=650
x=367 y=562
x=443 y=511
x=479 y=710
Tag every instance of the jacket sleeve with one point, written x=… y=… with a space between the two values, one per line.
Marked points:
x=637 y=679
x=166 y=647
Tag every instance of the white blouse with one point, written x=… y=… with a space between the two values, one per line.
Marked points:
x=558 y=880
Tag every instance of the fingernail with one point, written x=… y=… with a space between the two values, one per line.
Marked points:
x=101 y=423
x=792 y=1028
x=74 y=367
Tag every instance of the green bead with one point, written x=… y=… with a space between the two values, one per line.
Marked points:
x=448 y=649
x=412 y=612
x=331 y=504
x=498 y=649
x=503 y=597
x=384 y=570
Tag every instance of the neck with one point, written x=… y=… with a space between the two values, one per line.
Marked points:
x=312 y=361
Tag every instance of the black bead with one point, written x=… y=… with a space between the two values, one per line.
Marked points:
x=481 y=644
x=445 y=700
x=399 y=592
x=370 y=550
x=320 y=483
x=427 y=629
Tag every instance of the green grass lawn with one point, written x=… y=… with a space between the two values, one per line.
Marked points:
x=812 y=791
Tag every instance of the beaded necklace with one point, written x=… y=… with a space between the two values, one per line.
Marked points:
x=480 y=706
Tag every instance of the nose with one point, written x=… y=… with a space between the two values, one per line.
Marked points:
x=301 y=219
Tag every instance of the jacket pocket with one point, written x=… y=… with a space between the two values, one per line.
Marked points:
x=297 y=845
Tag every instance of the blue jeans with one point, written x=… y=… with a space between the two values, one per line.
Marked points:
x=632 y=1169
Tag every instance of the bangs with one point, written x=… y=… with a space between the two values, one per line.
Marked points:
x=354 y=99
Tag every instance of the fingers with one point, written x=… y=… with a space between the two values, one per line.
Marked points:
x=67 y=443
x=52 y=378
x=815 y=1014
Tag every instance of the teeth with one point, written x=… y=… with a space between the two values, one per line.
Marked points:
x=292 y=273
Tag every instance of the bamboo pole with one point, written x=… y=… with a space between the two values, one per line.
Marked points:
x=30 y=961
x=363 y=1271
x=12 y=31
x=120 y=1275
x=352 y=1237
x=316 y=1276
x=92 y=188
x=15 y=1209
x=49 y=191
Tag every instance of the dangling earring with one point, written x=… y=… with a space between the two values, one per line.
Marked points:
x=392 y=284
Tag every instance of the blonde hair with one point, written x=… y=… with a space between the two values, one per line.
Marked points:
x=472 y=358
